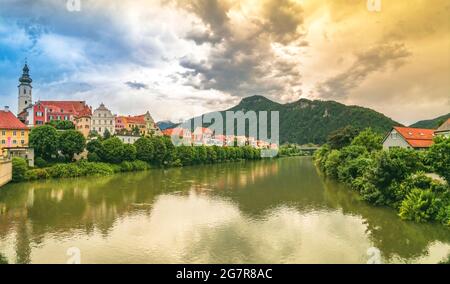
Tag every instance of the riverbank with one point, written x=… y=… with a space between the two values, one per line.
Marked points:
x=394 y=178
x=84 y=168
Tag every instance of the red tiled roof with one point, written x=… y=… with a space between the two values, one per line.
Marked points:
x=77 y=108
x=171 y=131
x=9 y=121
x=417 y=137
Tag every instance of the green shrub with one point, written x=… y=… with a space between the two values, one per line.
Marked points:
x=36 y=174
x=420 y=206
x=19 y=168
x=439 y=157
x=332 y=163
x=40 y=162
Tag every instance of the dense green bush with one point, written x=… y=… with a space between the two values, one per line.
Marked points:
x=84 y=168
x=420 y=206
x=40 y=162
x=19 y=168
x=439 y=157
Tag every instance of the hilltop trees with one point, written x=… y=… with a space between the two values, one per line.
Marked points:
x=342 y=137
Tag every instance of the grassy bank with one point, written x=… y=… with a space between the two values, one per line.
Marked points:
x=394 y=178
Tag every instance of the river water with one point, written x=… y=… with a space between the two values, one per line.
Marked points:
x=271 y=211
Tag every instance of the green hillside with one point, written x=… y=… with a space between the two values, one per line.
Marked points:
x=307 y=121
x=431 y=123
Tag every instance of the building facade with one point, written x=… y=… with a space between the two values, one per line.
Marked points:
x=103 y=120
x=409 y=138
x=142 y=124
x=13 y=133
x=444 y=129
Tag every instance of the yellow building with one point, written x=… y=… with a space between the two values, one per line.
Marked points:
x=83 y=124
x=13 y=133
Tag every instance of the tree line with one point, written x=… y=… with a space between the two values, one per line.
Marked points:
x=55 y=151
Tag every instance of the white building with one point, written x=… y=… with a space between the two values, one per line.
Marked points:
x=410 y=138
x=128 y=139
x=102 y=120
x=444 y=129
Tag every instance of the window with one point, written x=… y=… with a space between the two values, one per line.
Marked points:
x=14 y=133
x=22 y=133
x=3 y=142
x=22 y=142
x=51 y=117
x=14 y=142
x=39 y=113
x=3 y=132
x=39 y=122
x=26 y=102
x=24 y=91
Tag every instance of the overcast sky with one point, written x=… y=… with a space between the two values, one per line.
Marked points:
x=180 y=58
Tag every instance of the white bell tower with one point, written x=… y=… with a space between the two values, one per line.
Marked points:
x=25 y=90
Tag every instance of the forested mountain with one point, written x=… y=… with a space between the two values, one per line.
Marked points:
x=166 y=124
x=431 y=123
x=307 y=121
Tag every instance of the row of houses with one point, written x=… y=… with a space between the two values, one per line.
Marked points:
x=86 y=120
x=206 y=136
x=414 y=138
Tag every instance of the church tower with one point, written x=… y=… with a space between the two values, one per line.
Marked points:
x=25 y=89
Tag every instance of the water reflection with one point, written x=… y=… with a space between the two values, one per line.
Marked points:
x=277 y=211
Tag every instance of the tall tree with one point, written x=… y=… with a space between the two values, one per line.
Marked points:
x=342 y=137
x=44 y=140
x=71 y=142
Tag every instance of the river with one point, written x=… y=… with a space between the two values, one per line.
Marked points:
x=270 y=211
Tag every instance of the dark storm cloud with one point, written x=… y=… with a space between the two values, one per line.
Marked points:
x=242 y=60
x=372 y=60
x=136 y=85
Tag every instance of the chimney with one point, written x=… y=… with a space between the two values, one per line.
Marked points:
x=6 y=108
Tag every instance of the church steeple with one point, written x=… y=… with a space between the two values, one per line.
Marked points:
x=25 y=79
x=25 y=89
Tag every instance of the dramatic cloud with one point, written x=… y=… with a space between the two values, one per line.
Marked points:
x=376 y=59
x=181 y=58
x=136 y=85
x=246 y=54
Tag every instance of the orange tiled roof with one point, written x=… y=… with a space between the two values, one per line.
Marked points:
x=132 y=119
x=9 y=121
x=171 y=131
x=417 y=137
x=77 y=108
